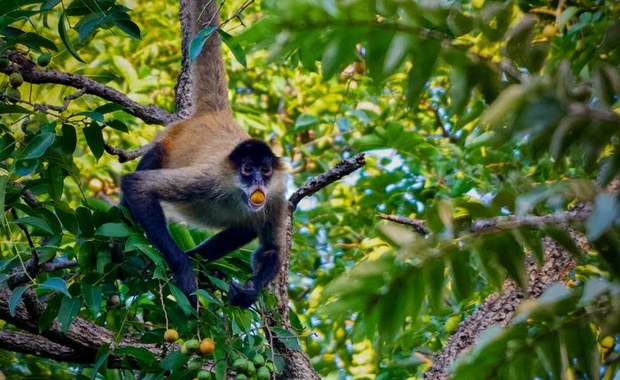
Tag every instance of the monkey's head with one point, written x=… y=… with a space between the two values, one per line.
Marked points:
x=255 y=164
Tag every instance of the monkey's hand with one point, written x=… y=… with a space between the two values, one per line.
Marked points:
x=243 y=296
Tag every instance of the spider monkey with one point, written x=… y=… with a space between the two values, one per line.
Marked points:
x=209 y=171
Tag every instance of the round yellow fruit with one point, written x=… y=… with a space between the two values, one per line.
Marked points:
x=549 y=31
x=171 y=335
x=257 y=197
x=95 y=185
x=207 y=346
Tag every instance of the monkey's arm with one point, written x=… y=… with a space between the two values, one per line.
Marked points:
x=142 y=193
x=223 y=243
x=265 y=263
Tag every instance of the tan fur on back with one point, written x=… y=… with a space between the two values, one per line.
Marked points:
x=185 y=141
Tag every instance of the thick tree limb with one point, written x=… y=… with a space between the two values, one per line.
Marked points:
x=500 y=307
x=31 y=74
x=298 y=364
x=32 y=344
x=83 y=337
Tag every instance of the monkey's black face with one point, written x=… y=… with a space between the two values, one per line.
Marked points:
x=255 y=163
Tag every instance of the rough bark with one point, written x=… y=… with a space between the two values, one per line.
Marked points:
x=499 y=308
x=78 y=345
x=298 y=364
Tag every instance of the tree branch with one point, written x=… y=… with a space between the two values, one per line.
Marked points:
x=315 y=184
x=503 y=223
x=83 y=337
x=500 y=307
x=298 y=364
x=417 y=225
x=31 y=74
x=126 y=155
x=32 y=344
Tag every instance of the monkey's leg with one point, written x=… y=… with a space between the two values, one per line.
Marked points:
x=266 y=263
x=142 y=193
x=223 y=243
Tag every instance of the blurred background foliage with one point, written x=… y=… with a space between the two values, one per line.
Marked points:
x=468 y=110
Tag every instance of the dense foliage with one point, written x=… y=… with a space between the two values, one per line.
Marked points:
x=468 y=111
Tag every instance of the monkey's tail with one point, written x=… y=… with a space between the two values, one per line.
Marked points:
x=209 y=83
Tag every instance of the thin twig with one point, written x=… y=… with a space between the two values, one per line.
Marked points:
x=67 y=100
x=417 y=225
x=315 y=184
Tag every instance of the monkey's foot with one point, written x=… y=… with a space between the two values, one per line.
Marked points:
x=188 y=284
x=243 y=296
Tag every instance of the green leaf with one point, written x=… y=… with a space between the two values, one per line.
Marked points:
x=36 y=41
x=15 y=299
x=435 y=278
x=37 y=146
x=234 y=47
x=173 y=361
x=36 y=222
x=116 y=230
x=94 y=139
x=338 y=52
x=62 y=32
x=4 y=180
x=548 y=351
x=305 y=121
x=129 y=27
x=181 y=300
x=182 y=236
x=68 y=140
x=144 y=356
x=287 y=338
x=67 y=217
x=92 y=298
x=69 y=309
x=459 y=91
x=379 y=43
x=511 y=257
x=563 y=238
x=197 y=43
x=426 y=56
x=565 y=17
x=102 y=359
x=396 y=53
x=128 y=71
x=462 y=274
x=12 y=108
x=605 y=213
x=55 y=284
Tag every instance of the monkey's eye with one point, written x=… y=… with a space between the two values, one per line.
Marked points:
x=266 y=170
x=247 y=170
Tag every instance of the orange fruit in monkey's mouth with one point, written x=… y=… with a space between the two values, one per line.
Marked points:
x=257 y=198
